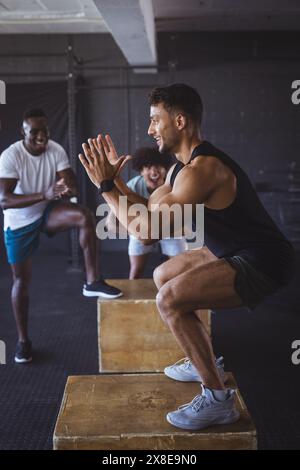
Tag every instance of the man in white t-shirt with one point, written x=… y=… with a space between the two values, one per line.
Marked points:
x=35 y=182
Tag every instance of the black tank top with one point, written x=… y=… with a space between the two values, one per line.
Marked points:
x=244 y=228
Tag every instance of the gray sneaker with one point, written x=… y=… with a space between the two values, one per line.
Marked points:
x=184 y=371
x=204 y=410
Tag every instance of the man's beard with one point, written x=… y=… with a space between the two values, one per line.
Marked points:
x=169 y=146
x=165 y=148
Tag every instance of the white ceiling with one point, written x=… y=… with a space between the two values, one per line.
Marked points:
x=134 y=23
x=82 y=16
x=50 y=16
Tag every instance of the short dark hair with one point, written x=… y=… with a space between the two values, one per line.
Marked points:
x=148 y=156
x=34 y=112
x=181 y=97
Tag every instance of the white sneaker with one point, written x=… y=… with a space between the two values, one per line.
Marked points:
x=184 y=371
x=204 y=410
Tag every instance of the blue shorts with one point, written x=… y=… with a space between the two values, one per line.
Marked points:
x=23 y=242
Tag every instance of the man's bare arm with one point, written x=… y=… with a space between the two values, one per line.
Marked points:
x=131 y=195
x=9 y=200
x=134 y=198
x=160 y=192
x=112 y=223
x=193 y=185
x=154 y=197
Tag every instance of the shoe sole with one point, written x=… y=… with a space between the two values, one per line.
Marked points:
x=22 y=361
x=180 y=379
x=225 y=378
x=87 y=293
x=232 y=420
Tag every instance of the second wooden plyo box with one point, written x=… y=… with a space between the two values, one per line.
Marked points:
x=131 y=334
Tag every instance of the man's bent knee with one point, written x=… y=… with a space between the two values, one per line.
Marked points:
x=159 y=276
x=166 y=301
x=160 y=307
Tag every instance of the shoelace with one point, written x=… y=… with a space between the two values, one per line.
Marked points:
x=198 y=403
x=186 y=363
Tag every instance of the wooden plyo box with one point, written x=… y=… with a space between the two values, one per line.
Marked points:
x=131 y=334
x=110 y=412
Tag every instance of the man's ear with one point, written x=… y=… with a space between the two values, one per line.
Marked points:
x=181 y=121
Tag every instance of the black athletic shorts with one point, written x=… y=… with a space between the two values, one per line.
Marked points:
x=251 y=285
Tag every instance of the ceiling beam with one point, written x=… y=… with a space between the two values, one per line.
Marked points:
x=131 y=23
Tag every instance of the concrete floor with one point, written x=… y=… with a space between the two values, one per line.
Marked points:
x=63 y=326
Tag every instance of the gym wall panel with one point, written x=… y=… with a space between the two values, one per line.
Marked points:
x=244 y=79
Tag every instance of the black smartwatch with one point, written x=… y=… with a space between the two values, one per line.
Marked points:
x=106 y=186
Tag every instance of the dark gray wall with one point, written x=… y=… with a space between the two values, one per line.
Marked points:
x=244 y=79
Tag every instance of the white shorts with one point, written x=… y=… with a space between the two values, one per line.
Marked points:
x=169 y=246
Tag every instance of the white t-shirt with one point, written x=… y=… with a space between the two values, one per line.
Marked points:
x=35 y=174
